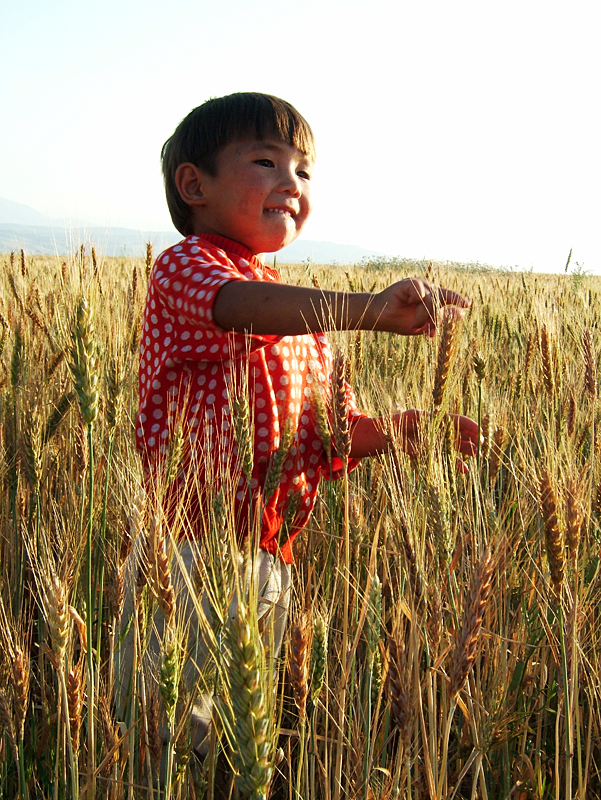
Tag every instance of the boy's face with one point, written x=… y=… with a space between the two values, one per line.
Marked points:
x=260 y=196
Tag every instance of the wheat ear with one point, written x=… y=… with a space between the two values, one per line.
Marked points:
x=175 y=454
x=415 y=578
x=161 y=583
x=340 y=415
x=169 y=673
x=553 y=533
x=115 y=380
x=148 y=260
x=57 y=616
x=322 y=420
x=21 y=679
x=548 y=373
x=468 y=638
x=84 y=363
x=243 y=430
x=397 y=688
x=571 y=414
x=498 y=446
x=277 y=460
x=319 y=654
x=439 y=522
x=299 y=663
x=446 y=351
x=590 y=365
x=574 y=515
x=486 y=436
x=31 y=451
x=251 y=725
x=155 y=741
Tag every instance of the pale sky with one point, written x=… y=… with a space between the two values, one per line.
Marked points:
x=445 y=129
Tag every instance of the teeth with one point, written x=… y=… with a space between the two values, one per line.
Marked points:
x=279 y=211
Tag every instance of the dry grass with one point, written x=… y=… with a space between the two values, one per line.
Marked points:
x=449 y=642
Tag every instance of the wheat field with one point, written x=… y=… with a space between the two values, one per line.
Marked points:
x=443 y=637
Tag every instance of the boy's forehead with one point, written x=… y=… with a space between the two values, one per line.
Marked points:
x=271 y=144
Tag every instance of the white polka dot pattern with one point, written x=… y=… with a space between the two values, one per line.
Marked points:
x=188 y=364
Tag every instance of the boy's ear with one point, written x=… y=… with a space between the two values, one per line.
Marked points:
x=189 y=183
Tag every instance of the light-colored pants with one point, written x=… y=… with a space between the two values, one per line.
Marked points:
x=272 y=579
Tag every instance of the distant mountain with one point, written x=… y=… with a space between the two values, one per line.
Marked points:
x=12 y=213
x=23 y=227
x=43 y=239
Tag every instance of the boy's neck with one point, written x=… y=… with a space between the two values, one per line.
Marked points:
x=231 y=246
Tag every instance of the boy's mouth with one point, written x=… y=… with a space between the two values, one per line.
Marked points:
x=285 y=212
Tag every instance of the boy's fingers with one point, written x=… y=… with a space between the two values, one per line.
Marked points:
x=467 y=435
x=447 y=297
x=467 y=447
x=461 y=466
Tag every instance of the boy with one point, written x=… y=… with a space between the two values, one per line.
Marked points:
x=238 y=176
x=219 y=324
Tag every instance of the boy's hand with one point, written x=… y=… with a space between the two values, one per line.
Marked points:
x=466 y=434
x=412 y=307
x=371 y=435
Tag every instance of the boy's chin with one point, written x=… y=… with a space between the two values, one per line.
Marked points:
x=274 y=246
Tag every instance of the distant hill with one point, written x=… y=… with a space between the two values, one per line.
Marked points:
x=22 y=227
x=12 y=213
x=40 y=239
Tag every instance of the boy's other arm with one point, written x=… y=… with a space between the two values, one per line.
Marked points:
x=372 y=435
x=408 y=307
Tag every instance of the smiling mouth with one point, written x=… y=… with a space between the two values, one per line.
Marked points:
x=284 y=212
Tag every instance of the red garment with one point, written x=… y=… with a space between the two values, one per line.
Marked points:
x=190 y=368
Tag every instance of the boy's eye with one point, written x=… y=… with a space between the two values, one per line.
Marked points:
x=265 y=162
x=303 y=174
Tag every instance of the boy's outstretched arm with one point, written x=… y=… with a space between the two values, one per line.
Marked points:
x=408 y=307
x=371 y=436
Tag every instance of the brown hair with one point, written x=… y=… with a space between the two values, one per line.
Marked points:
x=208 y=128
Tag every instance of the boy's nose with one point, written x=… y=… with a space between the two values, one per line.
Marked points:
x=291 y=183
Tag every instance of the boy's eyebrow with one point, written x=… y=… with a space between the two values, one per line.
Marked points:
x=275 y=146
x=261 y=145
